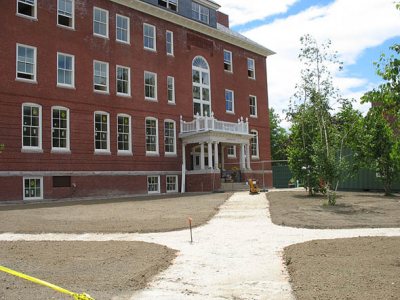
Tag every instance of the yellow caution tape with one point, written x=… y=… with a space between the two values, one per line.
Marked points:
x=76 y=296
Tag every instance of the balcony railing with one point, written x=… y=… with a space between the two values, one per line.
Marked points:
x=201 y=124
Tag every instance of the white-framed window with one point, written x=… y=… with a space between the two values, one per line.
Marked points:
x=26 y=63
x=228 y=64
x=171 y=89
x=150 y=86
x=251 y=68
x=122 y=24
x=31 y=126
x=59 y=128
x=171 y=4
x=65 y=70
x=172 y=183
x=151 y=136
x=229 y=101
x=66 y=13
x=169 y=137
x=100 y=22
x=124 y=134
x=253 y=106
x=101 y=132
x=123 y=77
x=149 y=37
x=231 y=151
x=201 y=89
x=254 y=144
x=100 y=76
x=169 y=37
x=33 y=188
x=200 y=13
x=153 y=184
x=27 y=8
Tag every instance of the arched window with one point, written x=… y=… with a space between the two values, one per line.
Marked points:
x=201 y=87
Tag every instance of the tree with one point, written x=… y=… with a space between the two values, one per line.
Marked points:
x=279 y=137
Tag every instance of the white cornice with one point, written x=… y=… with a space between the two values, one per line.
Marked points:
x=208 y=3
x=195 y=26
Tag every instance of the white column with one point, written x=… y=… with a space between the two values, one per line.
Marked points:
x=242 y=157
x=183 y=180
x=222 y=157
x=210 y=156
x=216 y=162
x=248 y=167
x=202 y=156
x=184 y=156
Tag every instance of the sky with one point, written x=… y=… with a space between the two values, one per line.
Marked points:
x=360 y=30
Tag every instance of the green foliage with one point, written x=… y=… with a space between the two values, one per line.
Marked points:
x=2 y=146
x=279 y=137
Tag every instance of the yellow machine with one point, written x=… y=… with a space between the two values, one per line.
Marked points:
x=253 y=187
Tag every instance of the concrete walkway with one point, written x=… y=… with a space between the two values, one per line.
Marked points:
x=237 y=255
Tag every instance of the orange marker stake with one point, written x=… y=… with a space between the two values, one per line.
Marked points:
x=190 y=226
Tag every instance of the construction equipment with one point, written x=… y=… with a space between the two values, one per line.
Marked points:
x=253 y=187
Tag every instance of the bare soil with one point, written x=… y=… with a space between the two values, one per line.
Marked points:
x=352 y=210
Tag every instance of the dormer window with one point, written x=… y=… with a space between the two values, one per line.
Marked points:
x=171 y=4
x=200 y=13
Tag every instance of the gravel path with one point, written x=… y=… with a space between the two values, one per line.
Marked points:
x=237 y=255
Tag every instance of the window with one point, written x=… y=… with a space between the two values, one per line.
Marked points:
x=228 y=61
x=170 y=42
x=122 y=24
x=65 y=13
x=254 y=144
x=201 y=87
x=101 y=132
x=253 y=106
x=151 y=136
x=123 y=81
x=229 y=101
x=171 y=4
x=100 y=22
x=169 y=137
x=251 y=69
x=33 y=187
x=200 y=13
x=150 y=86
x=65 y=70
x=172 y=183
x=31 y=126
x=100 y=76
x=26 y=62
x=61 y=181
x=27 y=8
x=124 y=133
x=60 y=128
x=149 y=37
x=171 y=89
x=231 y=150
x=153 y=184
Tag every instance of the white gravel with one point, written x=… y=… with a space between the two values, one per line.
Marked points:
x=237 y=255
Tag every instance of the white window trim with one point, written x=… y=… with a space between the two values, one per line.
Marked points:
x=73 y=17
x=129 y=151
x=107 y=22
x=155 y=86
x=170 y=153
x=176 y=185
x=172 y=42
x=254 y=68
x=202 y=86
x=60 y=149
x=63 y=85
x=155 y=38
x=34 y=65
x=30 y=148
x=152 y=153
x=34 y=17
x=255 y=106
x=231 y=62
x=234 y=152
x=173 y=90
x=257 y=145
x=108 y=77
x=129 y=81
x=233 y=102
x=158 y=184
x=41 y=188
x=101 y=151
x=128 y=34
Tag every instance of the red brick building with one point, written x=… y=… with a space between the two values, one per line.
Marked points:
x=112 y=97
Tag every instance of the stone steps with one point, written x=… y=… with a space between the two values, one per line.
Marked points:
x=234 y=186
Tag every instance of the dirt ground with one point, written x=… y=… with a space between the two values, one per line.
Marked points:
x=353 y=210
x=119 y=215
x=357 y=268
